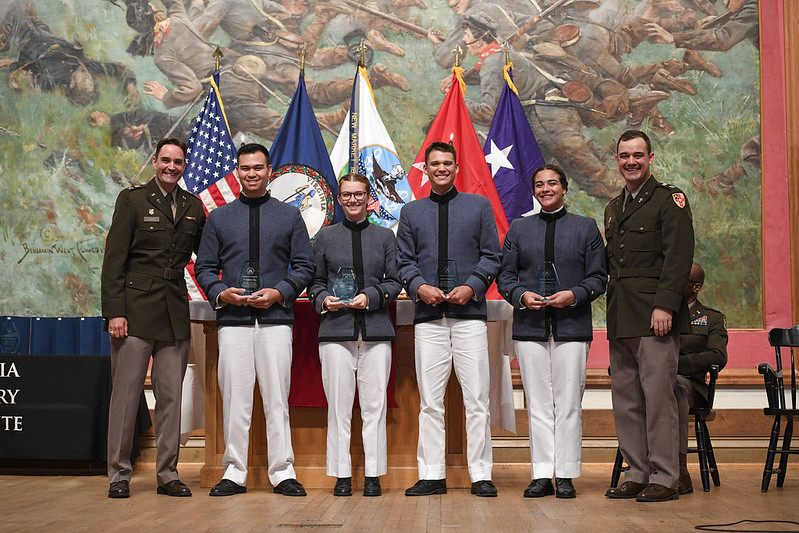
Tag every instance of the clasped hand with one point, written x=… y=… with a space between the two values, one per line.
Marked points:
x=430 y=295
x=361 y=301
x=262 y=298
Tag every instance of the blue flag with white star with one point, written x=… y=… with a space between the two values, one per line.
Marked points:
x=303 y=175
x=512 y=152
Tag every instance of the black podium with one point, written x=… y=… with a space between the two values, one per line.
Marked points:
x=54 y=408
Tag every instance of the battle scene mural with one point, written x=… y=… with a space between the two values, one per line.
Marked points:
x=87 y=87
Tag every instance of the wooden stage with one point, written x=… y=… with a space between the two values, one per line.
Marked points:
x=79 y=503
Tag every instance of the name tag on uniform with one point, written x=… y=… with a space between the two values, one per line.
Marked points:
x=152 y=219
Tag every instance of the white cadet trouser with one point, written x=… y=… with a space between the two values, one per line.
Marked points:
x=262 y=350
x=553 y=375
x=440 y=345
x=346 y=364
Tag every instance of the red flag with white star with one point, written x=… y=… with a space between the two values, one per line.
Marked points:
x=453 y=124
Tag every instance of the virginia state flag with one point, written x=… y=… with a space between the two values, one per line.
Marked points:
x=364 y=146
x=452 y=123
x=303 y=175
x=512 y=152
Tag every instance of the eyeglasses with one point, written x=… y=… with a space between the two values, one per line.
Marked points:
x=694 y=281
x=358 y=195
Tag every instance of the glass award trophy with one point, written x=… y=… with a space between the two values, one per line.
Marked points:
x=447 y=275
x=548 y=282
x=250 y=277
x=9 y=338
x=345 y=287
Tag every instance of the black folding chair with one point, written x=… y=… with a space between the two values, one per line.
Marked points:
x=780 y=405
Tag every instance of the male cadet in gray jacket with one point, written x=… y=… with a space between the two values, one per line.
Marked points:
x=448 y=257
x=261 y=247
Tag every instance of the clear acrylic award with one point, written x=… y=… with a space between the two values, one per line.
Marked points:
x=548 y=282
x=447 y=275
x=250 y=277
x=345 y=286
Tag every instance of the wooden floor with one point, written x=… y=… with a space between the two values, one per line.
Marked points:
x=79 y=503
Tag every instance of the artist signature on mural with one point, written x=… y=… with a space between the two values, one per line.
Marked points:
x=61 y=249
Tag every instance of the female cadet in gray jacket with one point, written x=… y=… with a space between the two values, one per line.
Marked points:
x=355 y=337
x=553 y=266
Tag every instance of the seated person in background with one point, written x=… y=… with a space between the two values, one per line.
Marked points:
x=706 y=345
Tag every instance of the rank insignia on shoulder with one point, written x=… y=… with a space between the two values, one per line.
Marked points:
x=679 y=199
x=134 y=187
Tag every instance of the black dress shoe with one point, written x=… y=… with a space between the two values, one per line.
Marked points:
x=564 y=488
x=227 y=487
x=427 y=487
x=119 y=489
x=289 y=487
x=654 y=492
x=371 y=487
x=539 y=488
x=484 y=488
x=343 y=487
x=628 y=489
x=174 y=488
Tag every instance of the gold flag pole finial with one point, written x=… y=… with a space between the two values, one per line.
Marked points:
x=218 y=55
x=506 y=46
x=458 y=51
x=303 y=57
x=362 y=49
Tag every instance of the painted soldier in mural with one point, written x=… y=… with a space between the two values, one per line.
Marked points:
x=139 y=127
x=244 y=84
x=720 y=34
x=556 y=123
x=51 y=63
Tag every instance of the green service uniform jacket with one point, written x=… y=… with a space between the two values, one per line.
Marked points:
x=705 y=345
x=145 y=254
x=650 y=249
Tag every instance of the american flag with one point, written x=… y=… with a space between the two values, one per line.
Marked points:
x=210 y=162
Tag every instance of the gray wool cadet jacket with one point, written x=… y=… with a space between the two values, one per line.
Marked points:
x=579 y=258
x=279 y=243
x=469 y=232
x=372 y=251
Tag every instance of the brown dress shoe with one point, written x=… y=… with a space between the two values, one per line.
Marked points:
x=119 y=489
x=628 y=489
x=174 y=488
x=684 y=484
x=654 y=492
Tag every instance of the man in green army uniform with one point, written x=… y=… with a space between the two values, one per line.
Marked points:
x=650 y=247
x=704 y=346
x=154 y=230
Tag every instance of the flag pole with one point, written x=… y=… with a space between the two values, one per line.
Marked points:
x=218 y=55
x=458 y=53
